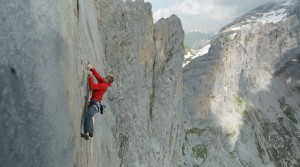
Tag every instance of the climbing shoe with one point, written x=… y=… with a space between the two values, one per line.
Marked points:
x=91 y=134
x=85 y=136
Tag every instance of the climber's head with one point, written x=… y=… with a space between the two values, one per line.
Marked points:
x=109 y=78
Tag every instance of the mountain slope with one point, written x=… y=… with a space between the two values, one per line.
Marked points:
x=269 y=13
x=197 y=40
x=192 y=54
x=242 y=97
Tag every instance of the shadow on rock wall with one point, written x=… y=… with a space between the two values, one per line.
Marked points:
x=270 y=131
x=35 y=121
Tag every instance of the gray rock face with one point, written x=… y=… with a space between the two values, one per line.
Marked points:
x=242 y=98
x=45 y=47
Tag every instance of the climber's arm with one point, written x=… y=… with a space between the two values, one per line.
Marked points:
x=94 y=86
x=97 y=75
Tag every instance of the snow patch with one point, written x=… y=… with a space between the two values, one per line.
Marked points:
x=204 y=50
x=288 y=80
x=201 y=52
x=232 y=36
x=273 y=16
x=188 y=56
x=237 y=28
x=289 y=3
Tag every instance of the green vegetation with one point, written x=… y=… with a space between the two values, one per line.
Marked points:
x=238 y=100
x=183 y=148
x=247 y=39
x=246 y=115
x=297 y=89
x=277 y=156
x=196 y=165
x=195 y=131
x=151 y=105
x=287 y=110
x=232 y=134
x=124 y=143
x=261 y=151
x=251 y=111
x=200 y=151
x=247 y=164
x=186 y=50
x=282 y=155
x=233 y=153
x=257 y=113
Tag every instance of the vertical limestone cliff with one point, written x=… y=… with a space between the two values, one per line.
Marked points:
x=45 y=46
x=243 y=98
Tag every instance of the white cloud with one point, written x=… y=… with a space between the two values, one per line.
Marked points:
x=161 y=13
x=208 y=15
x=195 y=8
x=191 y=7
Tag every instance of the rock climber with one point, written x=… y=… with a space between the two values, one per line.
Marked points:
x=98 y=90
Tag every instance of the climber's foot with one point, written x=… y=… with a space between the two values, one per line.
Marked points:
x=85 y=136
x=91 y=134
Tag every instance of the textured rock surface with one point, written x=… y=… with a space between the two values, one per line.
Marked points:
x=243 y=98
x=44 y=49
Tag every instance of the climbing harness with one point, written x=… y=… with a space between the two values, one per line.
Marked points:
x=97 y=105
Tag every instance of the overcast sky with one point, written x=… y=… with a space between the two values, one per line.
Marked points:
x=204 y=15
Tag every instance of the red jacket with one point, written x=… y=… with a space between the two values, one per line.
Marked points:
x=100 y=88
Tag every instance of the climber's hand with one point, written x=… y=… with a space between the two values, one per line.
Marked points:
x=90 y=66
x=90 y=73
